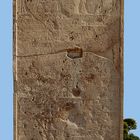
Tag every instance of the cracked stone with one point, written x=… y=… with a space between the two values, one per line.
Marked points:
x=68 y=69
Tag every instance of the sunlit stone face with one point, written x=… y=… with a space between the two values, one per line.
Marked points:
x=76 y=92
x=67 y=71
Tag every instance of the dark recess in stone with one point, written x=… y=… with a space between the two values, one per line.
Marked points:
x=75 y=53
x=76 y=91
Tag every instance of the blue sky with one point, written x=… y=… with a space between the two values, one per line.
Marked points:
x=6 y=92
x=132 y=61
x=131 y=67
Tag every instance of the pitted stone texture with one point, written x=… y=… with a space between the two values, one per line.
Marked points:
x=67 y=71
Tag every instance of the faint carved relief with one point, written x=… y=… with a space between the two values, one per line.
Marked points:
x=68 y=70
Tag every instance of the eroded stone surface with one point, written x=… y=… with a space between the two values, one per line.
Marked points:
x=67 y=70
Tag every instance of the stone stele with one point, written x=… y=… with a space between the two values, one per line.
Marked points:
x=68 y=69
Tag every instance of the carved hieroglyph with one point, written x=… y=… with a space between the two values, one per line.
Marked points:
x=68 y=69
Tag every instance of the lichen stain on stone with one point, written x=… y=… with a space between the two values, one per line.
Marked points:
x=90 y=77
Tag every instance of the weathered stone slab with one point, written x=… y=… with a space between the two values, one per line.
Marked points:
x=68 y=69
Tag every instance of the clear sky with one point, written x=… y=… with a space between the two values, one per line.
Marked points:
x=132 y=61
x=131 y=67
